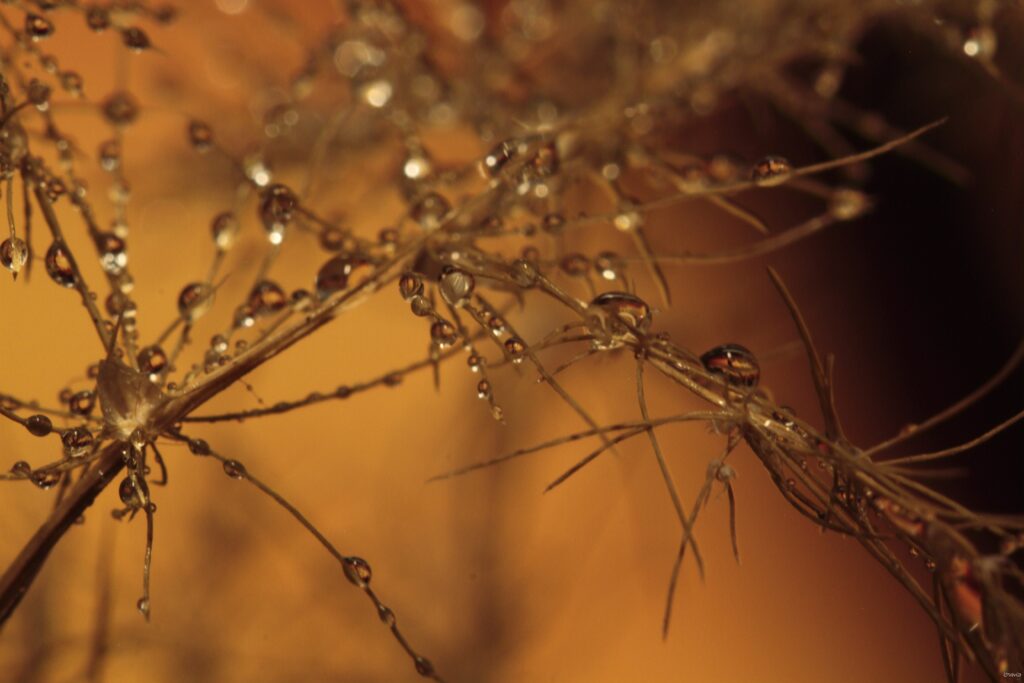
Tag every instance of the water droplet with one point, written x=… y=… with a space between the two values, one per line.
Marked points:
x=456 y=285
x=77 y=441
x=734 y=362
x=143 y=606
x=234 y=469
x=129 y=493
x=575 y=265
x=72 y=82
x=771 y=171
x=475 y=362
x=496 y=325
x=120 y=108
x=198 y=447
x=386 y=615
x=135 y=39
x=111 y=248
x=628 y=220
x=516 y=349
x=110 y=155
x=981 y=42
x=499 y=156
x=430 y=211
x=416 y=167
x=277 y=205
x=200 y=135
x=423 y=666
x=421 y=306
x=39 y=425
x=38 y=27
x=266 y=297
x=333 y=275
x=624 y=308
x=46 y=479
x=553 y=223
x=97 y=18
x=483 y=389
x=21 y=468
x=443 y=333
x=38 y=93
x=58 y=265
x=410 y=285
x=608 y=265
x=194 y=300
x=152 y=361
x=13 y=254
x=224 y=229
x=377 y=93
x=525 y=273
x=357 y=571
x=82 y=402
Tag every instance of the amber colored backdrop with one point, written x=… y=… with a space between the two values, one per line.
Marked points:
x=490 y=578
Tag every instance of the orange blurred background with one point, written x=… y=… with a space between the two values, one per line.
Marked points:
x=490 y=579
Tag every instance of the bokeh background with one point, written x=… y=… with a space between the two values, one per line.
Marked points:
x=920 y=301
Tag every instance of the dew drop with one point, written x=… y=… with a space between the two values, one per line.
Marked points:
x=128 y=493
x=234 y=469
x=110 y=155
x=357 y=571
x=475 y=362
x=82 y=402
x=771 y=171
x=980 y=43
x=553 y=223
x=13 y=254
x=423 y=666
x=847 y=204
x=483 y=389
x=608 y=265
x=516 y=349
x=277 y=205
x=135 y=39
x=496 y=325
x=46 y=479
x=499 y=156
x=224 y=229
x=410 y=285
x=525 y=273
x=420 y=306
x=38 y=27
x=58 y=265
x=219 y=343
x=72 y=82
x=77 y=441
x=97 y=18
x=194 y=300
x=143 y=606
x=628 y=220
x=734 y=362
x=430 y=211
x=38 y=93
x=456 y=285
x=200 y=136
x=624 y=308
x=120 y=108
x=266 y=297
x=39 y=425
x=198 y=447
x=575 y=265
x=152 y=361
x=386 y=615
x=333 y=275
x=443 y=333
x=113 y=255
x=21 y=468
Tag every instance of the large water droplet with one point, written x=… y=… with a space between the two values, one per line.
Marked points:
x=120 y=108
x=135 y=39
x=13 y=254
x=111 y=248
x=224 y=229
x=456 y=285
x=625 y=308
x=410 y=285
x=58 y=265
x=516 y=349
x=152 y=361
x=39 y=425
x=234 y=469
x=443 y=333
x=734 y=362
x=277 y=205
x=77 y=441
x=200 y=136
x=266 y=297
x=357 y=571
x=333 y=275
x=194 y=300
x=430 y=211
